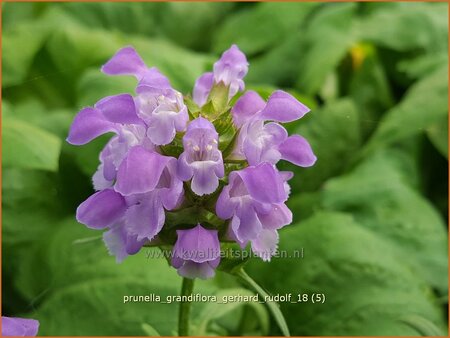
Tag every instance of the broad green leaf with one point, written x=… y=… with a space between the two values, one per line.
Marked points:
x=29 y=205
x=34 y=112
x=427 y=23
x=279 y=65
x=424 y=104
x=29 y=147
x=16 y=13
x=139 y=18
x=21 y=42
x=196 y=32
x=366 y=284
x=261 y=26
x=327 y=39
x=377 y=194
x=74 y=48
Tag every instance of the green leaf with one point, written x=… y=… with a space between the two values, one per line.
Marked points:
x=197 y=32
x=424 y=105
x=32 y=111
x=366 y=284
x=327 y=39
x=428 y=27
x=73 y=47
x=29 y=147
x=21 y=43
x=124 y=17
x=261 y=27
x=377 y=193
x=29 y=204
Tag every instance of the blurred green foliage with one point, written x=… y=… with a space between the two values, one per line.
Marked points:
x=370 y=215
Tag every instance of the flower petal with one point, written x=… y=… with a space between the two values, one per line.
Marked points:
x=171 y=190
x=99 y=181
x=196 y=270
x=101 y=209
x=246 y=107
x=19 y=327
x=161 y=129
x=153 y=79
x=224 y=206
x=231 y=69
x=249 y=226
x=125 y=62
x=204 y=180
x=88 y=124
x=140 y=171
x=184 y=170
x=197 y=244
x=145 y=220
x=297 y=150
x=278 y=217
x=119 y=109
x=202 y=88
x=266 y=244
x=283 y=107
x=264 y=183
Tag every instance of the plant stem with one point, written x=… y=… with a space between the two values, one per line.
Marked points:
x=272 y=306
x=185 y=307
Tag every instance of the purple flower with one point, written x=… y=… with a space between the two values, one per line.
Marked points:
x=110 y=114
x=230 y=69
x=164 y=113
x=150 y=183
x=128 y=62
x=19 y=327
x=254 y=200
x=106 y=209
x=202 y=88
x=201 y=159
x=138 y=180
x=134 y=210
x=116 y=150
x=259 y=141
x=196 y=253
x=120 y=242
x=158 y=104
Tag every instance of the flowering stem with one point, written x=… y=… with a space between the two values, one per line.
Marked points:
x=185 y=307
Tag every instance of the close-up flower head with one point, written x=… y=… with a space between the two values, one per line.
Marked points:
x=165 y=157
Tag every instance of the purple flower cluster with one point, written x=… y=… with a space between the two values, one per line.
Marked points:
x=165 y=158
